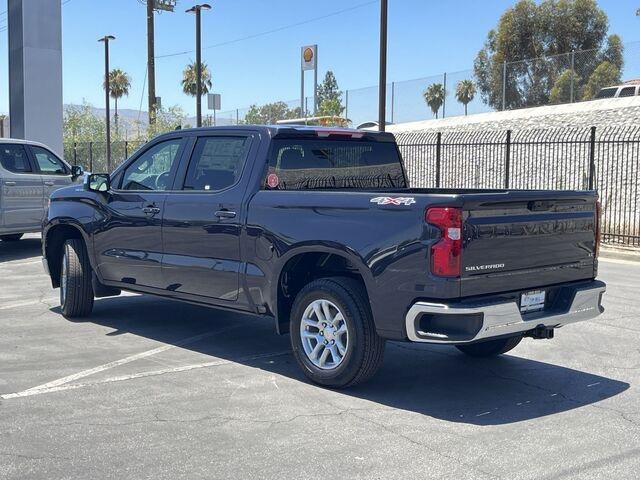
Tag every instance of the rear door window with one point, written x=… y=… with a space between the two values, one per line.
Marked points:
x=306 y=164
x=217 y=163
x=607 y=93
x=627 y=92
x=14 y=159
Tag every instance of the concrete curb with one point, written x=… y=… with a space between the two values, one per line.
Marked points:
x=620 y=253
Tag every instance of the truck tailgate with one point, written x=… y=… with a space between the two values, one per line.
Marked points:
x=527 y=239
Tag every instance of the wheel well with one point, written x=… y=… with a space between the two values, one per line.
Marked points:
x=56 y=237
x=303 y=269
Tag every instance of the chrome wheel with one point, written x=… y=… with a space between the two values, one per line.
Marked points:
x=324 y=334
x=64 y=275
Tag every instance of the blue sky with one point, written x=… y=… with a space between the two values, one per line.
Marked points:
x=426 y=37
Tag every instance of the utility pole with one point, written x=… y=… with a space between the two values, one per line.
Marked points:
x=382 y=89
x=197 y=9
x=151 y=62
x=107 y=92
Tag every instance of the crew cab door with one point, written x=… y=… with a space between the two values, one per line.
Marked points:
x=22 y=196
x=128 y=243
x=202 y=221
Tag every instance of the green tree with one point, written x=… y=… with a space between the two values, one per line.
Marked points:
x=329 y=96
x=434 y=95
x=119 y=85
x=561 y=91
x=270 y=113
x=81 y=124
x=189 y=76
x=465 y=92
x=605 y=75
x=527 y=37
x=167 y=120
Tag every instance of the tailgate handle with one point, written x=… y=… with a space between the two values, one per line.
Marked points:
x=540 y=206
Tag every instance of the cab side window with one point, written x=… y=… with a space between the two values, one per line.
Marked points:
x=216 y=163
x=48 y=163
x=14 y=159
x=153 y=169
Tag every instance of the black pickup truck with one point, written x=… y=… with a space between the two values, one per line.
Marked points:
x=318 y=230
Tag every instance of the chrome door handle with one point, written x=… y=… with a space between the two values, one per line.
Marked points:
x=49 y=184
x=10 y=184
x=151 y=210
x=225 y=214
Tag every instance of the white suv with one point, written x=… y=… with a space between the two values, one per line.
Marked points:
x=619 y=91
x=29 y=172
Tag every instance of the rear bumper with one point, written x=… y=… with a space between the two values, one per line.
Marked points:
x=463 y=323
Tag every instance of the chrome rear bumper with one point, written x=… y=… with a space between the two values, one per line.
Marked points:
x=497 y=319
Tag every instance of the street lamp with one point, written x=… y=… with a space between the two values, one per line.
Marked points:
x=107 y=90
x=197 y=9
x=382 y=89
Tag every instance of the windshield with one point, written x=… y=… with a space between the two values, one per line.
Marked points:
x=305 y=164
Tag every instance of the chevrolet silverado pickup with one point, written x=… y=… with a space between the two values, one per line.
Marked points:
x=318 y=230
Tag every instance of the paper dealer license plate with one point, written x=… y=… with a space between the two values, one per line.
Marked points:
x=532 y=301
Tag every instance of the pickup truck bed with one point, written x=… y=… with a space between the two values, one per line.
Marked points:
x=318 y=230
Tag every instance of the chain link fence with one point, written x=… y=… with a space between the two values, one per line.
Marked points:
x=558 y=79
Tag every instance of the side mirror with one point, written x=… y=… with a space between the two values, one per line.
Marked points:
x=76 y=171
x=97 y=182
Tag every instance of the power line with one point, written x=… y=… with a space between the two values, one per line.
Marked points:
x=275 y=30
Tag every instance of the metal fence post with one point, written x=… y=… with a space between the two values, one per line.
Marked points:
x=573 y=74
x=126 y=149
x=438 y=153
x=393 y=99
x=592 y=157
x=91 y=156
x=346 y=104
x=507 y=160
x=444 y=99
x=237 y=116
x=75 y=153
x=504 y=86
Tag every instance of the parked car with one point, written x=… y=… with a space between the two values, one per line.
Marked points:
x=318 y=230
x=619 y=91
x=29 y=173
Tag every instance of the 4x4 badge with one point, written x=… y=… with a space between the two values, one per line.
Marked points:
x=393 y=200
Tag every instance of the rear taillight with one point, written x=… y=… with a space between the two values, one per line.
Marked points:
x=447 y=252
x=598 y=221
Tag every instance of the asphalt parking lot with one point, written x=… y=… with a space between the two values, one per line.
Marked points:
x=147 y=388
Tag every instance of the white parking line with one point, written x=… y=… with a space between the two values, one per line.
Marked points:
x=25 y=304
x=85 y=373
x=184 y=368
x=17 y=263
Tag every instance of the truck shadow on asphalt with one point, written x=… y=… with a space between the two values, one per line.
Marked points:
x=430 y=380
x=27 y=248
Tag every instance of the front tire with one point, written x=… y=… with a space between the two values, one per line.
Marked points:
x=333 y=336
x=11 y=238
x=490 y=348
x=76 y=292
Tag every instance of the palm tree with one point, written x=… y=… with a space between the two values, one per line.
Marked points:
x=434 y=96
x=189 y=86
x=465 y=92
x=119 y=85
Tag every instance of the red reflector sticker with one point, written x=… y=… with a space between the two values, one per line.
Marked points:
x=273 y=180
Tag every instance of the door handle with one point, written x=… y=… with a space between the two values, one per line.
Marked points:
x=10 y=184
x=49 y=184
x=225 y=214
x=150 y=210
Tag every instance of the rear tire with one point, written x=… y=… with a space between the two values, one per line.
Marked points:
x=14 y=237
x=355 y=349
x=76 y=292
x=490 y=348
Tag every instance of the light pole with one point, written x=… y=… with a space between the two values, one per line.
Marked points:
x=197 y=9
x=382 y=89
x=107 y=92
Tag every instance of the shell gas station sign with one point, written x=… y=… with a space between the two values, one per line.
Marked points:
x=309 y=56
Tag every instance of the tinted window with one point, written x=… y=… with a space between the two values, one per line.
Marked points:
x=14 y=158
x=152 y=170
x=302 y=164
x=627 y=92
x=607 y=93
x=48 y=163
x=216 y=163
